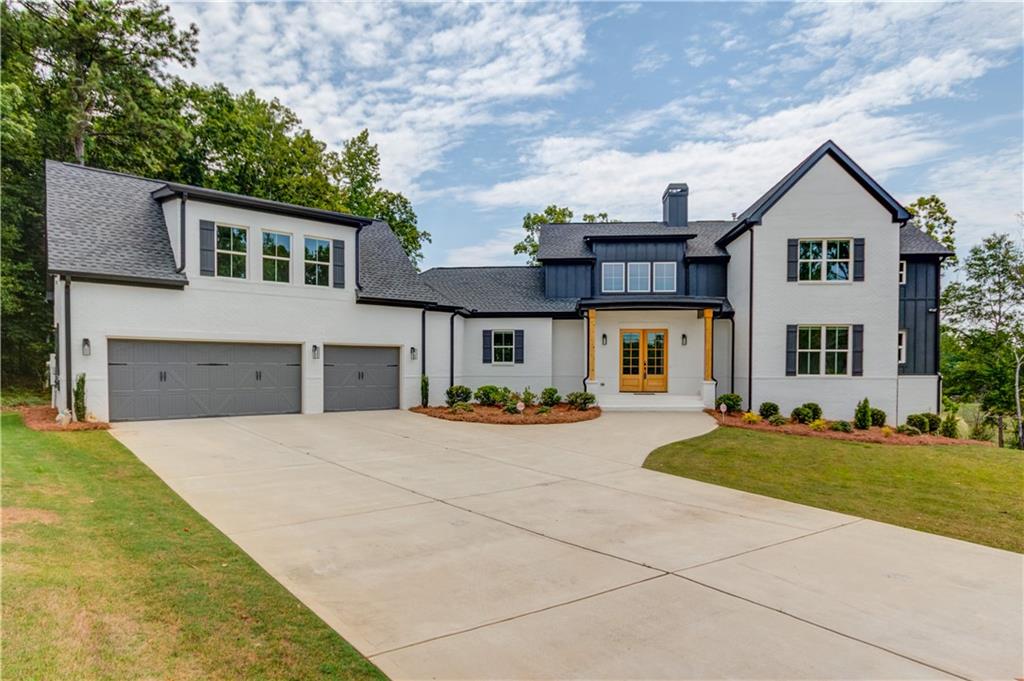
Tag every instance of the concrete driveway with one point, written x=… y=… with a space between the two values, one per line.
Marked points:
x=463 y=551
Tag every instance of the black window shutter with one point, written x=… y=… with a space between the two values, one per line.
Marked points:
x=517 y=340
x=339 y=263
x=791 y=330
x=858 y=259
x=207 y=237
x=487 y=346
x=792 y=246
x=858 y=350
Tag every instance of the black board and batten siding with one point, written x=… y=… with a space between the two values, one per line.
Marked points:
x=639 y=251
x=918 y=299
x=567 y=279
x=706 y=278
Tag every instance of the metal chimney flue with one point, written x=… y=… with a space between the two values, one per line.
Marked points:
x=674 y=208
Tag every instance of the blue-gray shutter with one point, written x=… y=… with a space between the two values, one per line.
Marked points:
x=858 y=259
x=207 y=239
x=339 y=263
x=517 y=341
x=792 y=247
x=487 y=346
x=858 y=350
x=791 y=331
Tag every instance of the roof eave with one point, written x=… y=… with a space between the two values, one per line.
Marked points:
x=171 y=191
x=122 y=279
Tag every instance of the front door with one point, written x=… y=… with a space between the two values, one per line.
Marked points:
x=643 y=361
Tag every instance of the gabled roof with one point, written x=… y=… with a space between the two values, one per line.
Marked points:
x=175 y=189
x=568 y=240
x=385 y=271
x=496 y=290
x=915 y=242
x=754 y=214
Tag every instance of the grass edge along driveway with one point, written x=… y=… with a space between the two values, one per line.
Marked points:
x=109 y=574
x=975 y=493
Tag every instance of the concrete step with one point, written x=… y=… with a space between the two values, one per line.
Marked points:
x=649 y=402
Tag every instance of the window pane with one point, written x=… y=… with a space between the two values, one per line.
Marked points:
x=837 y=338
x=238 y=240
x=223 y=265
x=282 y=270
x=835 y=363
x=238 y=266
x=808 y=363
x=318 y=250
x=269 y=243
x=838 y=271
x=839 y=250
x=639 y=276
x=810 y=250
x=269 y=270
x=613 y=279
x=310 y=273
x=810 y=271
x=664 y=276
x=224 y=238
x=810 y=338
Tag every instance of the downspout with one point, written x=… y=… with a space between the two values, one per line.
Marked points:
x=938 y=337
x=359 y=230
x=750 y=327
x=451 y=349
x=68 y=380
x=732 y=354
x=181 y=227
x=423 y=342
x=586 y=367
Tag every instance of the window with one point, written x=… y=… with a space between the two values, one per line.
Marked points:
x=232 y=247
x=639 y=280
x=664 y=277
x=503 y=347
x=277 y=254
x=613 y=277
x=903 y=272
x=901 y=353
x=825 y=259
x=317 y=261
x=831 y=357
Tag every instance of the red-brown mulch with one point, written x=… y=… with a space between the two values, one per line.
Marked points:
x=561 y=413
x=45 y=418
x=873 y=434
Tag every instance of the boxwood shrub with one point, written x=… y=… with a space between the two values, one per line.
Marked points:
x=549 y=397
x=878 y=417
x=768 y=410
x=801 y=415
x=733 y=402
x=456 y=394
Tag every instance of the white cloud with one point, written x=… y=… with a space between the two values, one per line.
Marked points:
x=650 y=59
x=697 y=56
x=494 y=251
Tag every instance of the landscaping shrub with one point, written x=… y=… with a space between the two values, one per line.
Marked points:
x=841 y=426
x=768 y=410
x=544 y=409
x=733 y=402
x=815 y=410
x=549 y=397
x=777 y=420
x=751 y=417
x=878 y=417
x=919 y=422
x=456 y=394
x=491 y=395
x=887 y=431
x=950 y=426
x=461 y=406
x=907 y=429
x=78 y=397
x=581 y=400
x=801 y=415
x=862 y=415
x=424 y=391
x=511 y=403
x=529 y=397
x=933 y=422
x=819 y=425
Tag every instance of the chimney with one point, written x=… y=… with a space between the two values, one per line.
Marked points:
x=674 y=211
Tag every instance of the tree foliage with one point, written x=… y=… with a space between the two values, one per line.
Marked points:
x=551 y=215
x=930 y=215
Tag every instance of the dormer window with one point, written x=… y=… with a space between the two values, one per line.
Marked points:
x=664 y=277
x=639 y=277
x=613 y=277
x=232 y=251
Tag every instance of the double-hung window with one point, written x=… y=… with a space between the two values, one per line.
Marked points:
x=317 y=261
x=231 y=251
x=277 y=255
x=903 y=271
x=825 y=259
x=901 y=352
x=613 y=277
x=503 y=347
x=664 y=277
x=638 y=277
x=823 y=350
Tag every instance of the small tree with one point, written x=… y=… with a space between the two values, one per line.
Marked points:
x=862 y=416
x=424 y=391
x=78 y=397
x=930 y=215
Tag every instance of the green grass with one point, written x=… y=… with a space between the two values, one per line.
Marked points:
x=970 y=492
x=107 y=574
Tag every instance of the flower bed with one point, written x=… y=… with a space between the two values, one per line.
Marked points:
x=561 y=413
x=873 y=434
x=45 y=418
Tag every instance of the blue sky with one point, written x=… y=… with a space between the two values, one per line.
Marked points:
x=486 y=111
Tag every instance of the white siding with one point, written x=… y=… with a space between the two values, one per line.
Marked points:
x=534 y=372
x=738 y=276
x=568 y=354
x=917 y=394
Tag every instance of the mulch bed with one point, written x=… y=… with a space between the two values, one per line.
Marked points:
x=873 y=434
x=45 y=418
x=561 y=413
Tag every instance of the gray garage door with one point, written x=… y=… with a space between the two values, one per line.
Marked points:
x=360 y=378
x=173 y=380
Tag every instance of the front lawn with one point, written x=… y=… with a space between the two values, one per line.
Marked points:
x=968 y=492
x=107 y=574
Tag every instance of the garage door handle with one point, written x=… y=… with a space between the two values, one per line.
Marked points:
x=212 y=364
x=259 y=375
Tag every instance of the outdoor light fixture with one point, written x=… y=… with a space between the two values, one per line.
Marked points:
x=412 y=353
x=684 y=339
x=604 y=339
x=316 y=352
x=86 y=347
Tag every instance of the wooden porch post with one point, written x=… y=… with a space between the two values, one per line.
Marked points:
x=592 y=326
x=709 y=344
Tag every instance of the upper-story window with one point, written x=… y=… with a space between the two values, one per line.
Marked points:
x=903 y=271
x=664 y=277
x=825 y=259
x=613 y=277
x=638 y=277
x=277 y=254
x=232 y=251
x=901 y=347
x=823 y=350
x=317 y=261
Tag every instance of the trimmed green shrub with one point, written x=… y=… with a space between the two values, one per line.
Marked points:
x=862 y=415
x=815 y=410
x=841 y=426
x=919 y=422
x=950 y=426
x=581 y=400
x=733 y=402
x=544 y=409
x=751 y=417
x=933 y=422
x=768 y=410
x=549 y=397
x=456 y=394
x=819 y=425
x=878 y=417
x=424 y=391
x=777 y=420
x=529 y=397
x=78 y=397
x=490 y=395
x=511 y=403
x=457 y=407
x=907 y=429
x=801 y=415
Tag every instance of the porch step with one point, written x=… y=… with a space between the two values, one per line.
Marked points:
x=649 y=402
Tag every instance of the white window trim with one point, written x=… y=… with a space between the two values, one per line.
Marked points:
x=903 y=272
x=645 y=265
x=822 y=350
x=217 y=251
x=290 y=259
x=604 y=267
x=330 y=260
x=901 y=347
x=654 y=277
x=824 y=260
x=494 y=346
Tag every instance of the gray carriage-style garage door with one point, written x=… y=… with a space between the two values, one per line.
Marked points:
x=172 y=380
x=360 y=378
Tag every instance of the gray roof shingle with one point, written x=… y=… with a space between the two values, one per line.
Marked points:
x=915 y=242
x=568 y=240
x=496 y=290
x=385 y=271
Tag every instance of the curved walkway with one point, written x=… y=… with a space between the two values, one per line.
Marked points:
x=466 y=551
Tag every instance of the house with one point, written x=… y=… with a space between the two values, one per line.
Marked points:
x=178 y=301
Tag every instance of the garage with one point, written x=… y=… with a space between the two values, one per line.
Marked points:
x=174 y=379
x=357 y=378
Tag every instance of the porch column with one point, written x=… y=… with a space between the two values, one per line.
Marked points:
x=709 y=388
x=591 y=336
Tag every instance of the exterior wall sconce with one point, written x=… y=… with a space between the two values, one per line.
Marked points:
x=412 y=353
x=316 y=352
x=684 y=339
x=604 y=339
x=86 y=347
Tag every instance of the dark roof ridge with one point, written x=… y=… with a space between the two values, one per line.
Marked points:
x=118 y=173
x=477 y=267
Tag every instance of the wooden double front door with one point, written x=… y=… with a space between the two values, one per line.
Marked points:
x=643 y=360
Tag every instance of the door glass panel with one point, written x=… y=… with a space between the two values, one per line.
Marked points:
x=630 y=354
x=655 y=353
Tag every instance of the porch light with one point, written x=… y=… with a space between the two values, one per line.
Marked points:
x=604 y=339
x=684 y=339
x=86 y=347
x=412 y=353
x=316 y=352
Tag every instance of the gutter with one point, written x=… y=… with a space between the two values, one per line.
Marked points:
x=68 y=382
x=750 y=329
x=586 y=367
x=359 y=230
x=181 y=227
x=732 y=355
